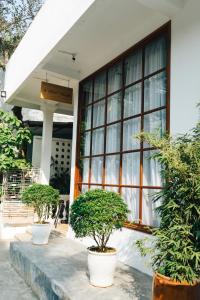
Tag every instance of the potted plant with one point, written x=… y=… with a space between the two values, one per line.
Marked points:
x=96 y=214
x=42 y=198
x=175 y=250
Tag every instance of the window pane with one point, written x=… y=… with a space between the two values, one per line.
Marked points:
x=155 y=91
x=94 y=187
x=87 y=118
x=113 y=138
x=151 y=170
x=149 y=215
x=87 y=92
x=86 y=145
x=131 y=168
x=132 y=100
x=114 y=78
x=96 y=170
x=100 y=86
x=133 y=68
x=84 y=188
x=155 y=56
x=98 y=141
x=131 y=197
x=85 y=169
x=114 y=108
x=131 y=128
x=98 y=113
x=112 y=189
x=112 y=169
x=155 y=122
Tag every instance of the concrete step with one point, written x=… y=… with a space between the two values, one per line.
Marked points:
x=58 y=271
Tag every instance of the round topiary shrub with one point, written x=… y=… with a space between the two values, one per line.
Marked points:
x=43 y=198
x=96 y=214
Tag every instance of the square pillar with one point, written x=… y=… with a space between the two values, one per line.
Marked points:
x=45 y=164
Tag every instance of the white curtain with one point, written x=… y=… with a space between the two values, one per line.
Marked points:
x=96 y=169
x=98 y=113
x=112 y=189
x=155 y=123
x=149 y=214
x=98 y=141
x=88 y=111
x=132 y=100
x=133 y=68
x=113 y=138
x=155 y=91
x=151 y=170
x=87 y=92
x=114 y=108
x=130 y=129
x=85 y=170
x=131 y=168
x=84 y=188
x=114 y=78
x=94 y=187
x=86 y=151
x=155 y=56
x=112 y=169
x=131 y=197
x=100 y=86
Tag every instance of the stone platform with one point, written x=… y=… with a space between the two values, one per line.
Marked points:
x=58 y=271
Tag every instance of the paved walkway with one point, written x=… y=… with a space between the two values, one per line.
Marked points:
x=12 y=286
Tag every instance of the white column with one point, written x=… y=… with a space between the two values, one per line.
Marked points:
x=45 y=163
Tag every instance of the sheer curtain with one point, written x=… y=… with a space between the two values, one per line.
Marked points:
x=87 y=92
x=100 y=86
x=155 y=91
x=114 y=78
x=155 y=123
x=132 y=100
x=87 y=119
x=96 y=169
x=114 y=108
x=131 y=168
x=131 y=128
x=155 y=56
x=113 y=138
x=85 y=170
x=86 y=150
x=131 y=197
x=133 y=68
x=99 y=113
x=151 y=170
x=112 y=169
x=149 y=214
x=98 y=141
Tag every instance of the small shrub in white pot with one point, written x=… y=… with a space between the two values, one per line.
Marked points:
x=43 y=198
x=96 y=214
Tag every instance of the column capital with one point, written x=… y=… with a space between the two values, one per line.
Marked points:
x=48 y=106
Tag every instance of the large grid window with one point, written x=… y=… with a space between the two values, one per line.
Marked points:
x=115 y=104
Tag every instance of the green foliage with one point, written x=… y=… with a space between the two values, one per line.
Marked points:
x=12 y=138
x=96 y=214
x=43 y=198
x=176 y=249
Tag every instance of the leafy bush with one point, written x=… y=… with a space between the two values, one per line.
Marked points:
x=176 y=250
x=13 y=136
x=96 y=214
x=43 y=198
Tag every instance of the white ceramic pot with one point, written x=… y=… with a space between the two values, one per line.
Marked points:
x=101 y=267
x=40 y=233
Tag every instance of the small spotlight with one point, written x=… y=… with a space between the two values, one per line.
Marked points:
x=3 y=94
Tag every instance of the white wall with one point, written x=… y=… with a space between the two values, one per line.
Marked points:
x=185 y=67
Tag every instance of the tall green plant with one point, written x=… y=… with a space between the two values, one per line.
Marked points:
x=176 y=248
x=12 y=138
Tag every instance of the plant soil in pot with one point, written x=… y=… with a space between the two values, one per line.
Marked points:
x=44 y=199
x=40 y=233
x=102 y=266
x=96 y=214
x=165 y=288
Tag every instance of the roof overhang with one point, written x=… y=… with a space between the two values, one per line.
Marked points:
x=95 y=31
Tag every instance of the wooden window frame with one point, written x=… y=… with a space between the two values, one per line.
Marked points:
x=165 y=30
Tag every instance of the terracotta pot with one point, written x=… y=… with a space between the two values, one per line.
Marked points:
x=165 y=288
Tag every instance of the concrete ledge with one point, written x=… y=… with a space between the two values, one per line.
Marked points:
x=58 y=271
